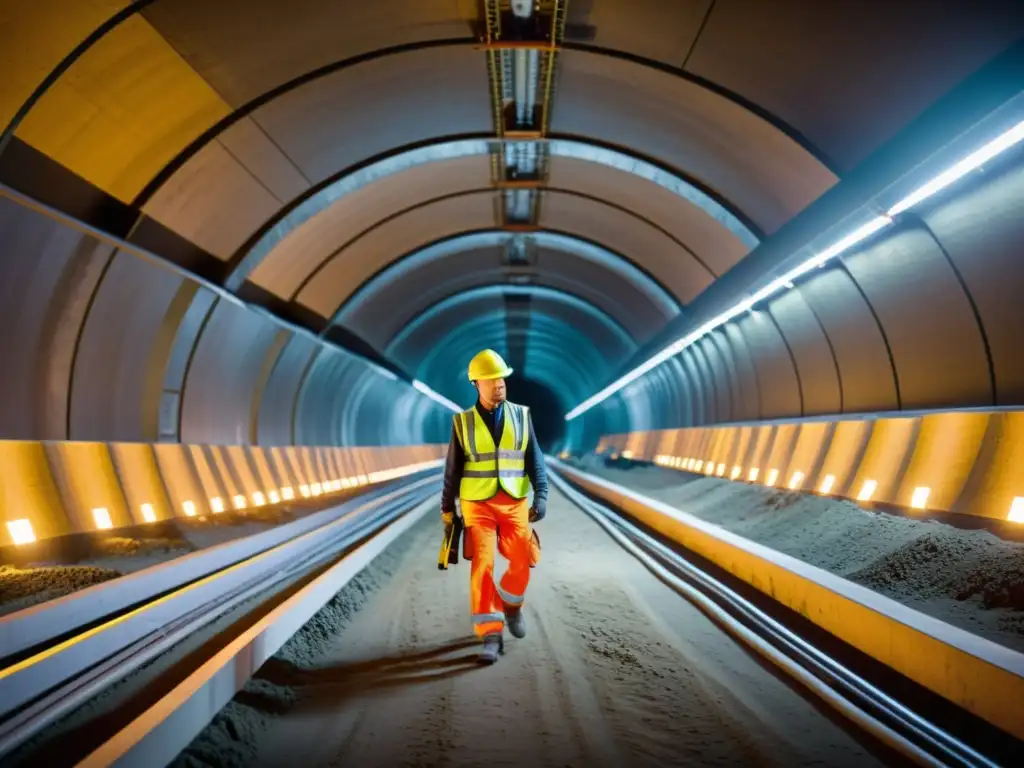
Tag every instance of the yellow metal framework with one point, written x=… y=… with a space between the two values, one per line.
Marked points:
x=496 y=49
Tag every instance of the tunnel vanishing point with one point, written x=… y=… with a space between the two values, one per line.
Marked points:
x=248 y=248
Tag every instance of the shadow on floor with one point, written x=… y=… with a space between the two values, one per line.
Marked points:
x=339 y=682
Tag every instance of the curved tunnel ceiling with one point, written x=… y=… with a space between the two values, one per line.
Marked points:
x=393 y=298
x=342 y=164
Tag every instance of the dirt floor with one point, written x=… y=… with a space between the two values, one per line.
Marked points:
x=616 y=670
x=971 y=579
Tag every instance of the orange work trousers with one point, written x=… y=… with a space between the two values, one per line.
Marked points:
x=508 y=518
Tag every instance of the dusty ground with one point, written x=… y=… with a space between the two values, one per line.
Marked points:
x=970 y=579
x=616 y=670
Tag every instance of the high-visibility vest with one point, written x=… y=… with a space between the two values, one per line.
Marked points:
x=487 y=466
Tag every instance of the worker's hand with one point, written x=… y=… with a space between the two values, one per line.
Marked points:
x=537 y=514
x=447 y=518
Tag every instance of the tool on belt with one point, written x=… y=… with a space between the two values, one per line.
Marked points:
x=449 y=554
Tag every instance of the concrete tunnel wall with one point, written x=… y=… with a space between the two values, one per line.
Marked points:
x=101 y=345
x=106 y=346
x=131 y=394
x=927 y=315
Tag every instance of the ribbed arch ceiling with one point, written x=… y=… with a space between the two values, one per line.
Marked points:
x=470 y=152
x=320 y=148
x=389 y=301
x=755 y=168
x=600 y=329
x=560 y=355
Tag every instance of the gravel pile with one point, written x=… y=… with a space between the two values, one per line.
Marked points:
x=969 y=578
x=22 y=588
x=113 y=556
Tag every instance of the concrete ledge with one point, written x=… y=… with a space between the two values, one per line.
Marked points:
x=978 y=675
x=160 y=733
x=27 y=679
x=958 y=461
x=43 y=623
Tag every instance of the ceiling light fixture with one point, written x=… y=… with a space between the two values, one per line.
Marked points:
x=975 y=160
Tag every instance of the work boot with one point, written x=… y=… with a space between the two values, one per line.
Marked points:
x=493 y=647
x=515 y=622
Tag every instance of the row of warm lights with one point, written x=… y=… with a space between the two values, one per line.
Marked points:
x=259 y=499
x=918 y=499
x=21 y=531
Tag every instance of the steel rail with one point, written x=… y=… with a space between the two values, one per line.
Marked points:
x=34 y=628
x=41 y=689
x=853 y=697
x=162 y=731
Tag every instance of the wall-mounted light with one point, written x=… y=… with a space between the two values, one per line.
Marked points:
x=736 y=472
x=287 y=493
x=304 y=490
x=796 y=481
x=1016 y=511
x=867 y=490
x=827 y=483
x=773 y=475
x=216 y=505
x=919 y=499
x=148 y=513
x=21 y=531
x=189 y=508
x=101 y=516
x=258 y=499
x=752 y=476
x=240 y=501
x=440 y=399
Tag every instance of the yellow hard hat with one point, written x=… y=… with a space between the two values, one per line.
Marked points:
x=488 y=365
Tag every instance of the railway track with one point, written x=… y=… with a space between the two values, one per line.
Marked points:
x=296 y=577
x=41 y=684
x=867 y=706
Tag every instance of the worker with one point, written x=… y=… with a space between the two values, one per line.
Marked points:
x=493 y=459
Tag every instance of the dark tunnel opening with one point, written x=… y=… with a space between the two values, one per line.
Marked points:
x=547 y=411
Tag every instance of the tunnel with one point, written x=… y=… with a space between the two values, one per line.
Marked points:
x=756 y=268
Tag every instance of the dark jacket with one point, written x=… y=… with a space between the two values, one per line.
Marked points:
x=457 y=459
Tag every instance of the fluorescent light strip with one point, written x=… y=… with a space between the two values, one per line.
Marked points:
x=1012 y=137
x=420 y=386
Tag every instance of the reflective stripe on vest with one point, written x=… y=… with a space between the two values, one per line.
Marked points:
x=488 y=466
